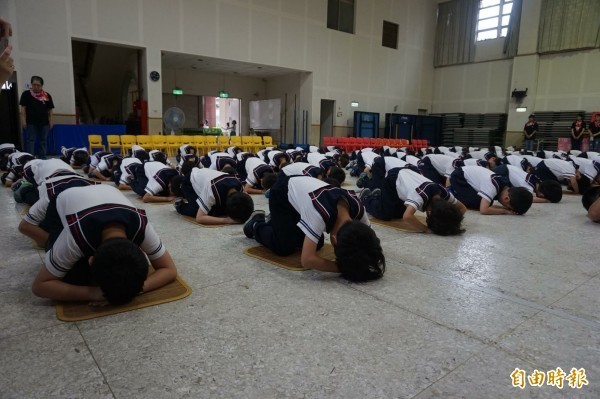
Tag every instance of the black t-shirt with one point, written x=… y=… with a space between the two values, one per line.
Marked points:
x=578 y=127
x=595 y=127
x=530 y=128
x=36 y=111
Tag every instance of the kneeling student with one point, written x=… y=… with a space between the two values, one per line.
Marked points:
x=213 y=197
x=477 y=188
x=302 y=210
x=591 y=203
x=107 y=241
x=543 y=191
x=405 y=191
x=259 y=176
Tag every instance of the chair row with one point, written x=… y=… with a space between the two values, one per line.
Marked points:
x=356 y=143
x=170 y=144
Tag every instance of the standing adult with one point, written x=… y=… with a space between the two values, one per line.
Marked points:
x=7 y=64
x=232 y=132
x=36 y=115
x=595 y=134
x=577 y=130
x=530 y=131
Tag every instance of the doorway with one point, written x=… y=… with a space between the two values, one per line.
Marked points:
x=327 y=112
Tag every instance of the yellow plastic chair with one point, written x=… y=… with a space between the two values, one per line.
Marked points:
x=95 y=141
x=187 y=139
x=256 y=143
x=235 y=141
x=223 y=143
x=173 y=143
x=113 y=141
x=196 y=141
x=267 y=141
x=127 y=141
x=159 y=142
x=247 y=142
x=210 y=143
x=144 y=141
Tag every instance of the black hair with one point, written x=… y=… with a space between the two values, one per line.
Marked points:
x=230 y=170
x=120 y=269
x=531 y=116
x=445 y=219
x=551 y=190
x=268 y=180
x=176 y=183
x=344 y=160
x=80 y=158
x=187 y=167
x=358 y=252
x=590 y=196
x=160 y=157
x=142 y=155
x=520 y=199
x=332 y=182
x=38 y=78
x=583 y=184
x=239 y=206
x=337 y=173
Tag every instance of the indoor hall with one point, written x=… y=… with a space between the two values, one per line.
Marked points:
x=452 y=317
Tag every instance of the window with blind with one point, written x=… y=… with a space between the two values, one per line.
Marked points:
x=340 y=15
x=493 y=19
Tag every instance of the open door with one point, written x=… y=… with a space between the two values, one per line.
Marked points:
x=327 y=112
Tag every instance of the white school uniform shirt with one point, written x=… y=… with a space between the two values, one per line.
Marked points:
x=298 y=168
x=215 y=156
x=5 y=146
x=369 y=157
x=314 y=158
x=241 y=155
x=442 y=163
x=533 y=160
x=393 y=162
x=125 y=175
x=587 y=167
x=559 y=168
x=407 y=187
x=251 y=164
x=37 y=213
x=514 y=160
x=151 y=168
x=478 y=154
x=78 y=207
x=480 y=179
x=95 y=159
x=472 y=161
x=103 y=164
x=230 y=150
x=518 y=178
x=313 y=148
x=311 y=222
x=411 y=159
x=201 y=180
x=44 y=169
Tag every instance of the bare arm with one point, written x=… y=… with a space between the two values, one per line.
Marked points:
x=51 y=118
x=409 y=217
x=123 y=186
x=156 y=198
x=165 y=272
x=486 y=208
x=99 y=175
x=461 y=207
x=594 y=211
x=34 y=232
x=46 y=285
x=574 y=185
x=203 y=218
x=23 y=116
x=540 y=200
x=311 y=260
x=251 y=190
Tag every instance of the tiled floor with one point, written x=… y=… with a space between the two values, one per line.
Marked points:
x=452 y=318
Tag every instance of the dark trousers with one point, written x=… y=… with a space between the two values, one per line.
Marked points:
x=280 y=234
x=191 y=207
x=429 y=171
x=35 y=133
x=139 y=181
x=542 y=172
x=377 y=174
x=576 y=144
x=388 y=205
x=463 y=191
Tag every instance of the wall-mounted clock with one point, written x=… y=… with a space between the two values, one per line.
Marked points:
x=154 y=76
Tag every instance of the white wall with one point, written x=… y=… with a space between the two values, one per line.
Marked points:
x=284 y=33
x=473 y=88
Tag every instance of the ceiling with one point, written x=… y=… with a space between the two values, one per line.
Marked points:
x=221 y=66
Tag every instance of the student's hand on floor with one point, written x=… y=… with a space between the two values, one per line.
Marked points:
x=97 y=304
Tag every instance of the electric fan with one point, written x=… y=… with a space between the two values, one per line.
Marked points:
x=174 y=118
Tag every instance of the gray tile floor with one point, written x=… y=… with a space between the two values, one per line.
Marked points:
x=452 y=318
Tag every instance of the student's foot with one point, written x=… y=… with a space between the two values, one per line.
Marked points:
x=257 y=216
x=362 y=180
x=364 y=194
x=376 y=193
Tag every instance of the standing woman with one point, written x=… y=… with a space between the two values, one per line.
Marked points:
x=530 y=130
x=36 y=114
x=577 y=130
